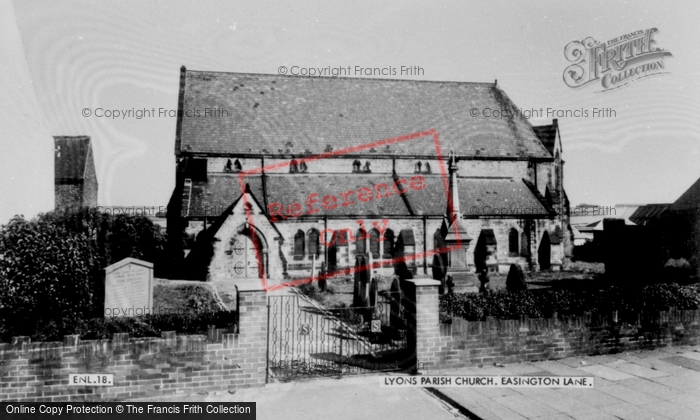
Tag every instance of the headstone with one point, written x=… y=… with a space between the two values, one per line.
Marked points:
x=515 y=282
x=484 y=280
x=129 y=288
x=395 y=309
x=360 y=287
x=372 y=299
x=323 y=283
x=373 y=292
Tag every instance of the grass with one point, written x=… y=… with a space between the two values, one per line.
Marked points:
x=340 y=289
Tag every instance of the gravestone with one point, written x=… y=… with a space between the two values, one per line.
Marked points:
x=515 y=282
x=360 y=292
x=373 y=292
x=395 y=305
x=372 y=311
x=129 y=288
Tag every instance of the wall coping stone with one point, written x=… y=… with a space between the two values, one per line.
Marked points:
x=424 y=282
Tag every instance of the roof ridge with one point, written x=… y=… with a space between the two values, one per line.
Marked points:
x=288 y=76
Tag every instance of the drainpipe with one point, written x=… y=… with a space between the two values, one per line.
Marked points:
x=325 y=240
x=425 y=244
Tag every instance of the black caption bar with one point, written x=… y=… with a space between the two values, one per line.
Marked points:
x=122 y=411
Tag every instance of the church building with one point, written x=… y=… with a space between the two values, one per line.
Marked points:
x=278 y=174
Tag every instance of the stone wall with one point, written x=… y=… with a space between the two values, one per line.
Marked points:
x=300 y=267
x=142 y=367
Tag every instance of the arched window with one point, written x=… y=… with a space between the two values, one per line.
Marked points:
x=229 y=166
x=302 y=167
x=356 y=166
x=374 y=243
x=388 y=244
x=427 y=168
x=366 y=168
x=313 y=243
x=299 y=245
x=361 y=242
x=237 y=166
x=524 y=245
x=293 y=167
x=513 y=242
x=417 y=168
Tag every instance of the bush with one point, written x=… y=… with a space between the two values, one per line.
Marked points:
x=544 y=303
x=52 y=268
x=45 y=272
x=309 y=289
x=112 y=238
x=143 y=326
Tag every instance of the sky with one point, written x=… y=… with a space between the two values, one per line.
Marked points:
x=127 y=55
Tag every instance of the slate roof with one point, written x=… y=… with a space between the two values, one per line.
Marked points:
x=490 y=196
x=478 y=197
x=547 y=135
x=213 y=197
x=648 y=213
x=290 y=115
x=689 y=200
x=70 y=157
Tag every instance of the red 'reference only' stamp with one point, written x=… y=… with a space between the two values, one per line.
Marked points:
x=356 y=197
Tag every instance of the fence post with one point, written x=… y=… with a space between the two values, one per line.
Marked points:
x=424 y=320
x=340 y=374
x=253 y=332
x=267 y=350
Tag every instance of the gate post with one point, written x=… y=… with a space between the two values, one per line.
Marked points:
x=424 y=320
x=252 y=327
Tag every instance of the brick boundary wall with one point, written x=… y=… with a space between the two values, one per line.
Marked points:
x=142 y=367
x=467 y=343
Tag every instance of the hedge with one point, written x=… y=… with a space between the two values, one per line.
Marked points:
x=52 y=267
x=544 y=303
x=142 y=326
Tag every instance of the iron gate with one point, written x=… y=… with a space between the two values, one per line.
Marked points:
x=306 y=340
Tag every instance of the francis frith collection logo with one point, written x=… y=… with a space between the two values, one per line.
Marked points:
x=615 y=63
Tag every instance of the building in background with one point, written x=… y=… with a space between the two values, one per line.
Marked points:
x=75 y=180
x=680 y=225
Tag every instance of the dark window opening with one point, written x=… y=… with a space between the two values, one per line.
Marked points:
x=389 y=244
x=513 y=242
x=524 y=245
x=360 y=242
x=299 y=245
x=374 y=242
x=314 y=246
